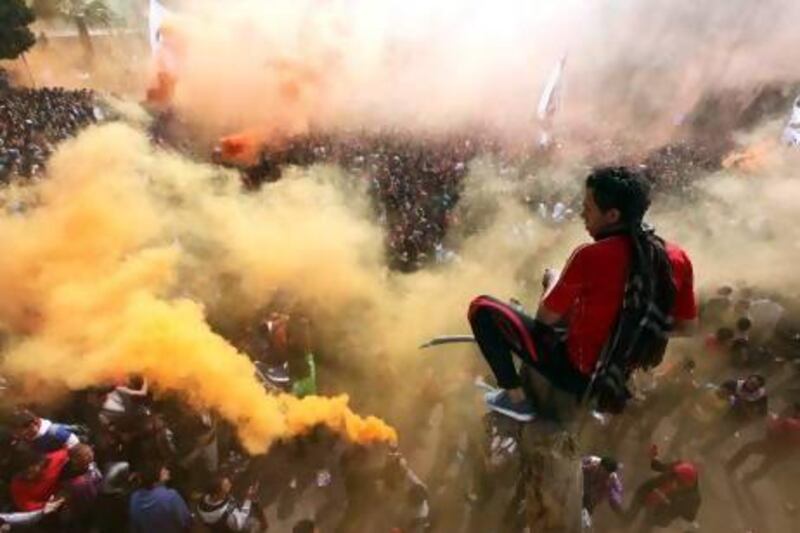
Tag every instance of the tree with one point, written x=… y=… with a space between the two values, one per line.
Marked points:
x=15 y=36
x=83 y=13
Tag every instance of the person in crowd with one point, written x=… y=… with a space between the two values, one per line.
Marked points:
x=748 y=402
x=671 y=495
x=602 y=481
x=42 y=434
x=589 y=295
x=125 y=401
x=780 y=443
x=717 y=347
x=221 y=513
x=80 y=488
x=716 y=310
x=32 y=121
x=37 y=479
x=765 y=315
x=410 y=510
x=741 y=348
x=154 y=507
x=112 y=504
x=23 y=520
x=747 y=396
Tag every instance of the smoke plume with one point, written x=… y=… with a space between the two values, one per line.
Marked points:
x=101 y=276
x=286 y=67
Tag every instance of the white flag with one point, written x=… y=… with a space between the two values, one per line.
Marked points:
x=157 y=15
x=550 y=100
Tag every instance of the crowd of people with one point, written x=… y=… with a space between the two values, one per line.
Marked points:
x=118 y=457
x=33 y=121
x=414 y=182
x=734 y=400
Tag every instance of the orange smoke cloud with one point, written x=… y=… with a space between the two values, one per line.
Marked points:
x=243 y=147
x=298 y=65
x=92 y=290
x=751 y=159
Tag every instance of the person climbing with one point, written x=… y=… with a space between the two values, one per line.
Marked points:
x=618 y=297
x=674 y=493
x=602 y=480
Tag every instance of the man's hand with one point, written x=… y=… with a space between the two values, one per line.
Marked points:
x=548 y=278
x=52 y=505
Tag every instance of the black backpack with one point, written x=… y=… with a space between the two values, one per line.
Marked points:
x=640 y=335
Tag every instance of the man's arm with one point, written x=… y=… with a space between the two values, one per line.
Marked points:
x=21 y=519
x=64 y=435
x=546 y=316
x=561 y=291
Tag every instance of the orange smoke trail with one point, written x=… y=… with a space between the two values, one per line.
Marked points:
x=243 y=147
x=90 y=278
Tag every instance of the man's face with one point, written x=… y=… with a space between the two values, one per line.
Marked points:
x=752 y=384
x=226 y=486
x=594 y=219
x=30 y=431
x=82 y=457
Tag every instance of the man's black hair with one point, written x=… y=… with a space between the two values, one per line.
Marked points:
x=214 y=484
x=304 y=526
x=620 y=188
x=150 y=473
x=743 y=324
x=22 y=418
x=725 y=290
x=609 y=463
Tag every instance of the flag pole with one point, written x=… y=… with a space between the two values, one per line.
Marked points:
x=28 y=68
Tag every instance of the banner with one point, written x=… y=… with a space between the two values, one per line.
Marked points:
x=156 y=18
x=550 y=100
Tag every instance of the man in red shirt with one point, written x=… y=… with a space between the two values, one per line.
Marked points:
x=588 y=297
x=38 y=478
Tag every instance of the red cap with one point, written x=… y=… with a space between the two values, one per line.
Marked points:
x=686 y=473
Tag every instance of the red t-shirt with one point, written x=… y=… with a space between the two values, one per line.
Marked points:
x=590 y=291
x=32 y=494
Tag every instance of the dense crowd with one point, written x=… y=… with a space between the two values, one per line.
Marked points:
x=414 y=182
x=734 y=400
x=119 y=457
x=33 y=121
